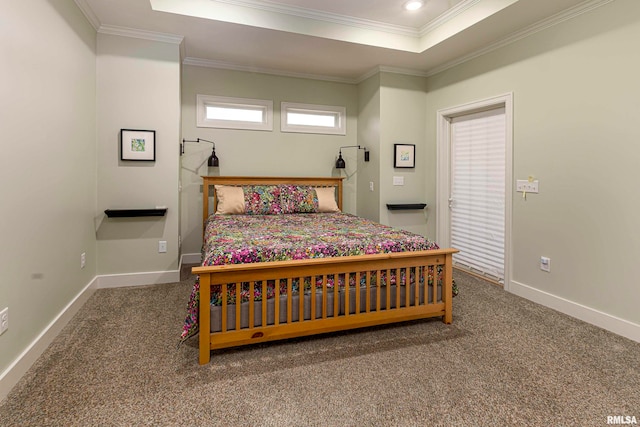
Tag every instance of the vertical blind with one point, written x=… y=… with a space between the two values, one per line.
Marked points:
x=478 y=192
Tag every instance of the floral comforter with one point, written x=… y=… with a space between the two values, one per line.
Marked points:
x=239 y=239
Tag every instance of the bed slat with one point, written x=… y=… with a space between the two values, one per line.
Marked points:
x=252 y=310
x=238 y=306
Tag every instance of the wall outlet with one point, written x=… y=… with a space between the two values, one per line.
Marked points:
x=370 y=185
x=162 y=246
x=83 y=259
x=4 y=320
x=545 y=264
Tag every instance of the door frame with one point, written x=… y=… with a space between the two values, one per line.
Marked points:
x=443 y=170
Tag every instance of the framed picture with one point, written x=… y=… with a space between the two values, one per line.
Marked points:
x=404 y=155
x=138 y=145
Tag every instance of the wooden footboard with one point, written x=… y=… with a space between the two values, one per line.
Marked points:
x=345 y=293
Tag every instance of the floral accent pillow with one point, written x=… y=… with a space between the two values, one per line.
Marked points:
x=262 y=200
x=298 y=199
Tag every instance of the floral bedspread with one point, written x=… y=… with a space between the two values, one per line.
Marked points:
x=239 y=239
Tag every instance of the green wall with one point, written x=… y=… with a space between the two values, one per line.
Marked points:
x=261 y=153
x=138 y=87
x=47 y=169
x=575 y=110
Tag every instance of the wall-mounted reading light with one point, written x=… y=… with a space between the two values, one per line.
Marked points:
x=340 y=163
x=213 y=159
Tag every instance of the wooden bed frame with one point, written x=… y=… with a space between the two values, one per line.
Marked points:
x=368 y=306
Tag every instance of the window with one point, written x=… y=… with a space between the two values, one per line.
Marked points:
x=234 y=113
x=306 y=118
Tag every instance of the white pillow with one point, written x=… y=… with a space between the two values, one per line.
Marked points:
x=327 y=199
x=230 y=200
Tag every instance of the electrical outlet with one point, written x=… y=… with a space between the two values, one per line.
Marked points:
x=545 y=264
x=524 y=185
x=370 y=185
x=4 y=320
x=162 y=246
x=83 y=259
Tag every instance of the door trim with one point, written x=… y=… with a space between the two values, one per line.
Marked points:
x=443 y=170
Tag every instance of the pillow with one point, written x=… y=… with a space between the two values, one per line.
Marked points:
x=262 y=199
x=298 y=199
x=230 y=200
x=327 y=199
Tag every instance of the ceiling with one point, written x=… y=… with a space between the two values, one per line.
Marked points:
x=340 y=40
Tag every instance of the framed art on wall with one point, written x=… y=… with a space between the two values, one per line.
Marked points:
x=138 y=145
x=404 y=155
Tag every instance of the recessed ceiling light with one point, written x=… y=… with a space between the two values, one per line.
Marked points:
x=413 y=4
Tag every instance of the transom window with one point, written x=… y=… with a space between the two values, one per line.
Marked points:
x=308 y=118
x=234 y=113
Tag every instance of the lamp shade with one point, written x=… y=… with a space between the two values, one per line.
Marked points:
x=213 y=159
x=340 y=164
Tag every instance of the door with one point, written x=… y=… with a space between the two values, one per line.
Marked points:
x=477 y=195
x=475 y=185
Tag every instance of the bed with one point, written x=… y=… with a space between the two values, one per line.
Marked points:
x=281 y=260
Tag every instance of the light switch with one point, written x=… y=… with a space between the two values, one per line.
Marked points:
x=398 y=180
x=524 y=185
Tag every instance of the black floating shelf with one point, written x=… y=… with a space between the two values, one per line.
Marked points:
x=405 y=206
x=127 y=213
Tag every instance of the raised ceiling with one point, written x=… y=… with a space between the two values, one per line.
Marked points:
x=342 y=40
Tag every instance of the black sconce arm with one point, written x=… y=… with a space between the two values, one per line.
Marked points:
x=340 y=163
x=213 y=159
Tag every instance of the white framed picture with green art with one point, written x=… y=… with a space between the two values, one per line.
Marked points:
x=404 y=155
x=138 y=145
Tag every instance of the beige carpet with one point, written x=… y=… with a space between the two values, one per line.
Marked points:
x=503 y=362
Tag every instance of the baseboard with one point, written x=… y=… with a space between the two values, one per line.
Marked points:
x=190 y=259
x=137 y=279
x=586 y=314
x=10 y=377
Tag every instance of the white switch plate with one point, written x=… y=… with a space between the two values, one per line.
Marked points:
x=398 y=180
x=370 y=185
x=83 y=259
x=523 y=185
x=545 y=264
x=4 y=320
x=162 y=246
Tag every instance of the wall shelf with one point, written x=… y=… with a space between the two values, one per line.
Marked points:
x=405 y=206
x=128 y=213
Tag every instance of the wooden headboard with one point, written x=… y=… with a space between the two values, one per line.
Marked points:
x=209 y=181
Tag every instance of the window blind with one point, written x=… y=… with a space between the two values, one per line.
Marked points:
x=478 y=192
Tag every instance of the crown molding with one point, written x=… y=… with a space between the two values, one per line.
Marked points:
x=450 y=14
x=140 y=34
x=333 y=18
x=405 y=71
x=88 y=13
x=209 y=63
x=544 y=24
x=394 y=70
x=368 y=24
